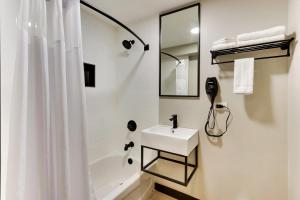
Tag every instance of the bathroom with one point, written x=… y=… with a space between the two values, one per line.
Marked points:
x=257 y=158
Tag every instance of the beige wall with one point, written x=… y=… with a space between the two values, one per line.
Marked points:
x=250 y=162
x=293 y=107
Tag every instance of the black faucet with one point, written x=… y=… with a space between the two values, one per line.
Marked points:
x=130 y=144
x=174 y=120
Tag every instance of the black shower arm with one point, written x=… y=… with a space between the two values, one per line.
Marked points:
x=171 y=56
x=146 y=46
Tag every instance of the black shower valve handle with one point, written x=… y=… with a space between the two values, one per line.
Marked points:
x=127 y=146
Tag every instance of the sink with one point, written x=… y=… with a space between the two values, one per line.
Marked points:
x=179 y=141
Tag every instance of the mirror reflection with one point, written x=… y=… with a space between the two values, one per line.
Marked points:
x=179 y=57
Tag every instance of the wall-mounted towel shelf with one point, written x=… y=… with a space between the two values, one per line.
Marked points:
x=282 y=44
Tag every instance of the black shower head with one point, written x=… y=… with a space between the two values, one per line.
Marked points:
x=128 y=43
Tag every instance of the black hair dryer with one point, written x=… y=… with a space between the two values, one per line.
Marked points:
x=211 y=87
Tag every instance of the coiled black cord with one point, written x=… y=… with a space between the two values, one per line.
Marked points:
x=212 y=112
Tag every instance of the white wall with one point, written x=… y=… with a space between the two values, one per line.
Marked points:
x=293 y=107
x=8 y=48
x=138 y=80
x=126 y=84
x=250 y=161
x=99 y=48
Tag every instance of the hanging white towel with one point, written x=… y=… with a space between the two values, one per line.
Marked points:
x=243 y=76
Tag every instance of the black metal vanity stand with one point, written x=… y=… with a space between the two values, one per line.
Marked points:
x=159 y=156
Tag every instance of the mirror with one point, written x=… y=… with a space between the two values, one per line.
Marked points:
x=179 y=52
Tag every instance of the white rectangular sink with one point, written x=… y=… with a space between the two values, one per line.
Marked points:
x=179 y=140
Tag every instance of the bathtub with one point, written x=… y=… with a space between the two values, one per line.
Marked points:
x=113 y=178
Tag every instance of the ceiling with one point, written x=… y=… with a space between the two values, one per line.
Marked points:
x=127 y=11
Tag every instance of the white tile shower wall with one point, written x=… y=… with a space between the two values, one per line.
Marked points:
x=250 y=162
x=99 y=48
x=293 y=104
x=138 y=80
x=126 y=84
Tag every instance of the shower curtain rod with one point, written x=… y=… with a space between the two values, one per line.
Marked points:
x=171 y=56
x=146 y=46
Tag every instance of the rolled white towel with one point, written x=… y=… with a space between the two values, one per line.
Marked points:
x=261 y=40
x=224 y=41
x=223 y=46
x=274 y=31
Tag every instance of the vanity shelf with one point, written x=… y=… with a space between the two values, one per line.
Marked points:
x=282 y=44
x=184 y=163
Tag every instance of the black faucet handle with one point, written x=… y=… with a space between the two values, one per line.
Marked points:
x=174 y=116
x=174 y=120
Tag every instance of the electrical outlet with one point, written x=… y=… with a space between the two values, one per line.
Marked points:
x=221 y=103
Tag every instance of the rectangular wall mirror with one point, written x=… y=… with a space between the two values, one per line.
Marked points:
x=179 y=46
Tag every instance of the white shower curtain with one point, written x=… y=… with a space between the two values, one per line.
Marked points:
x=182 y=77
x=47 y=150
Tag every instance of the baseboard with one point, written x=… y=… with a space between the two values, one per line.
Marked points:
x=173 y=193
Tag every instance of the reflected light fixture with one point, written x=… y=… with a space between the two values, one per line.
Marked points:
x=195 y=30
